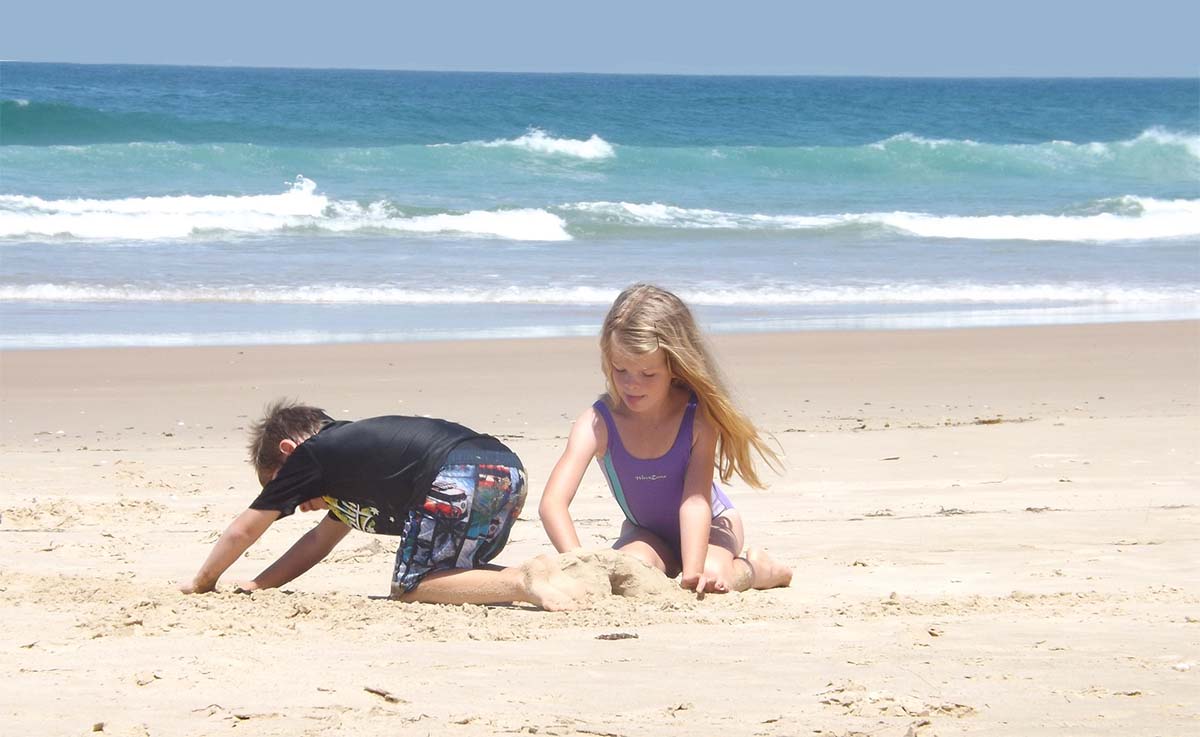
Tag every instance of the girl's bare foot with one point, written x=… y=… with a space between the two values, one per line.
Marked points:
x=768 y=573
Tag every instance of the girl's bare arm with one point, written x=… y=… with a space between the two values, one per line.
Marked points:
x=695 y=511
x=564 y=483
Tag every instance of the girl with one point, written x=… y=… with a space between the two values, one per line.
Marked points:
x=664 y=425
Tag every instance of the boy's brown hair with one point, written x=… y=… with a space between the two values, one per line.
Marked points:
x=284 y=419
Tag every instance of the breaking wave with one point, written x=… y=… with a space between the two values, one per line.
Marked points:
x=299 y=208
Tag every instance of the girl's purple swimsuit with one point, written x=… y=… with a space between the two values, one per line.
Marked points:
x=650 y=490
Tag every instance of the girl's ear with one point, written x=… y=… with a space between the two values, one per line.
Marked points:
x=287 y=446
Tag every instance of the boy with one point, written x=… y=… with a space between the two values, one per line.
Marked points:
x=450 y=493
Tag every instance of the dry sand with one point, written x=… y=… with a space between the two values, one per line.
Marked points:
x=994 y=531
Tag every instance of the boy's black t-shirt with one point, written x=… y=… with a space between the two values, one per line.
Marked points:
x=388 y=463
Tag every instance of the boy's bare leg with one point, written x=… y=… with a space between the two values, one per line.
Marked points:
x=539 y=581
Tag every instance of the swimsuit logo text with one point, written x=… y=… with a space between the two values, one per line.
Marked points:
x=651 y=477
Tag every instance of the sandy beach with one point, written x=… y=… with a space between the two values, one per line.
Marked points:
x=993 y=531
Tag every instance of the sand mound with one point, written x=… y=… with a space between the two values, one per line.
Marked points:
x=610 y=573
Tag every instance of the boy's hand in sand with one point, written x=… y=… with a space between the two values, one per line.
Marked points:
x=314 y=504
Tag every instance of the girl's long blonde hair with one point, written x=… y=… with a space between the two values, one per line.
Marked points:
x=645 y=318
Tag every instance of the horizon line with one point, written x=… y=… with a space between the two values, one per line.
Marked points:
x=825 y=75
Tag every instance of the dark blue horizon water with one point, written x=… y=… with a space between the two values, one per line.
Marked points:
x=81 y=104
x=146 y=204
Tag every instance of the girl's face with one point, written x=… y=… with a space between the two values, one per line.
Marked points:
x=643 y=381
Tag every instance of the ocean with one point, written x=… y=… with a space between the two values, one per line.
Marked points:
x=151 y=205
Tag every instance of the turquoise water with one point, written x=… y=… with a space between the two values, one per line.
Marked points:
x=173 y=205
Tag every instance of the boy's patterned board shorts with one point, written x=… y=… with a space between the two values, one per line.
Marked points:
x=465 y=520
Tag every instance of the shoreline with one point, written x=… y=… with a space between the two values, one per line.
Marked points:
x=815 y=327
x=709 y=331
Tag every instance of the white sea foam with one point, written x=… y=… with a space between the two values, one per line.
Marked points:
x=1152 y=136
x=914 y=293
x=1126 y=218
x=537 y=141
x=36 y=341
x=963 y=293
x=669 y=216
x=1158 y=219
x=301 y=207
x=914 y=139
x=1140 y=218
x=529 y=224
x=309 y=294
x=1167 y=138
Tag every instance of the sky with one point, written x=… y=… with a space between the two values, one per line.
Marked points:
x=883 y=38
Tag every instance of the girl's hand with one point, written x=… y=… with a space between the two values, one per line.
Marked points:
x=715 y=581
x=697 y=582
x=709 y=582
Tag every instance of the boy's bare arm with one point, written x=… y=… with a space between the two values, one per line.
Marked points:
x=240 y=535
x=304 y=554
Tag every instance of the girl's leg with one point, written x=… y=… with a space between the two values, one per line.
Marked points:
x=648 y=548
x=731 y=571
x=724 y=570
x=767 y=573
